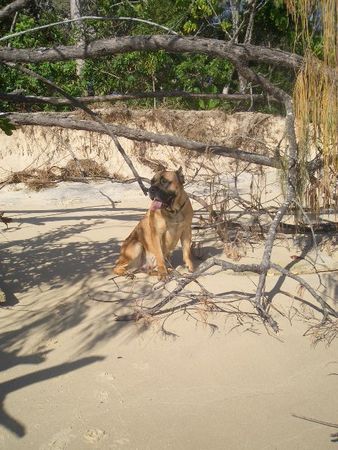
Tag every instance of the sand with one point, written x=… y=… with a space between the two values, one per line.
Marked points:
x=72 y=377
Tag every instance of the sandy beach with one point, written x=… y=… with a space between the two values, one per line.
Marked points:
x=75 y=378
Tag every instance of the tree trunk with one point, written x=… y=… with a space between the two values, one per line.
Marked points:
x=75 y=13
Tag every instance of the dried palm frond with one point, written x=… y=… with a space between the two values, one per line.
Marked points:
x=315 y=99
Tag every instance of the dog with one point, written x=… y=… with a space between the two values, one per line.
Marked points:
x=167 y=221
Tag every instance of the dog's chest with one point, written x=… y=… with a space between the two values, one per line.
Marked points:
x=175 y=220
x=174 y=228
x=170 y=222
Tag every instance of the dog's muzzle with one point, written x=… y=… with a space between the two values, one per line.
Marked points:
x=161 y=198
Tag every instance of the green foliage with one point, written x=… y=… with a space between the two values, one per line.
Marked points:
x=201 y=72
x=61 y=73
x=146 y=71
x=6 y=126
x=274 y=27
x=209 y=103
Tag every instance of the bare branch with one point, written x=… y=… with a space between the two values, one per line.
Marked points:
x=235 y=53
x=184 y=280
x=30 y=99
x=292 y=172
x=321 y=422
x=326 y=308
x=249 y=30
x=67 y=121
x=81 y=19
x=8 y=10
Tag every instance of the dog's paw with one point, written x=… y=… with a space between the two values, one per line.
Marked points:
x=162 y=273
x=190 y=266
x=118 y=270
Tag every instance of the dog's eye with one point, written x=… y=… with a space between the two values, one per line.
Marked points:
x=163 y=181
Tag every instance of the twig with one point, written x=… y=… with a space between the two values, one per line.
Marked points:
x=325 y=306
x=321 y=422
x=81 y=19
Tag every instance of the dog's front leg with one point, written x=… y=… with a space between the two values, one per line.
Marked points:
x=156 y=239
x=158 y=253
x=186 y=248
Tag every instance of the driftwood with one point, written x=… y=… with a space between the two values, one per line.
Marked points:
x=283 y=227
x=184 y=281
x=67 y=121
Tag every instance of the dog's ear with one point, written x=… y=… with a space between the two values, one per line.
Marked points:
x=180 y=175
x=159 y=167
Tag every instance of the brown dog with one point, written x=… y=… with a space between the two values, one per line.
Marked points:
x=157 y=234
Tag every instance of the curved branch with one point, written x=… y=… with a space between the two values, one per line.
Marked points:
x=12 y=8
x=67 y=121
x=172 y=44
x=84 y=18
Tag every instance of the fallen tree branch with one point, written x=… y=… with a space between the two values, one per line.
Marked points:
x=292 y=171
x=184 y=281
x=34 y=100
x=12 y=7
x=235 y=53
x=283 y=227
x=290 y=197
x=67 y=121
x=326 y=308
x=321 y=422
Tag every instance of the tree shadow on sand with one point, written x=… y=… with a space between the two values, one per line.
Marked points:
x=58 y=267
x=43 y=217
x=46 y=259
x=47 y=265
x=6 y=419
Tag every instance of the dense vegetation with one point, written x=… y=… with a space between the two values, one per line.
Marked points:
x=151 y=71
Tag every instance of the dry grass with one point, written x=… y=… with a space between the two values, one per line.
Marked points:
x=323 y=332
x=37 y=179
x=315 y=99
x=83 y=168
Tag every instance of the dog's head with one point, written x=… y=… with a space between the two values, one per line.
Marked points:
x=166 y=186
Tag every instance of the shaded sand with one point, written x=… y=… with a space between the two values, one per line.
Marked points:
x=74 y=378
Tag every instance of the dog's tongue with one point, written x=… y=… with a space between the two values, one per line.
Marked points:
x=156 y=204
